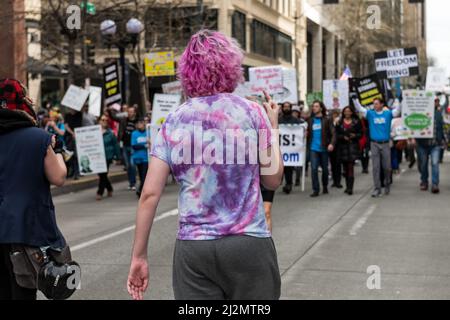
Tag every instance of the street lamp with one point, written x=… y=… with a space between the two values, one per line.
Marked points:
x=108 y=29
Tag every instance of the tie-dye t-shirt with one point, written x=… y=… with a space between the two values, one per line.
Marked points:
x=220 y=188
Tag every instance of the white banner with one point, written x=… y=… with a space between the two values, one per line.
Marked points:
x=90 y=150
x=418 y=113
x=293 y=144
x=436 y=80
x=163 y=104
x=268 y=78
x=75 y=97
x=172 y=87
x=335 y=94
x=95 y=100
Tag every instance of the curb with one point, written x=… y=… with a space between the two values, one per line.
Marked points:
x=91 y=182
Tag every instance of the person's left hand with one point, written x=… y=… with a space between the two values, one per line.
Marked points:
x=138 y=277
x=330 y=148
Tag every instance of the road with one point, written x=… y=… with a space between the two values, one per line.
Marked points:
x=325 y=245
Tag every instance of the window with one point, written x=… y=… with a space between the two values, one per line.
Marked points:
x=270 y=42
x=238 y=28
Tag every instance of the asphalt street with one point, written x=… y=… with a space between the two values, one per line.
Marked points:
x=325 y=245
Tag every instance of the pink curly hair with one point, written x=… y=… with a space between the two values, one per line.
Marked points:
x=211 y=64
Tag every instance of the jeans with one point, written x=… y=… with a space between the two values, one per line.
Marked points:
x=336 y=167
x=131 y=168
x=381 y=160
x=424 y=153
x=319 y=159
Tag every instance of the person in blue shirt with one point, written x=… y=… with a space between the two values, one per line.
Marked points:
x=321 y=140
x=139 y=155
x=380 y=119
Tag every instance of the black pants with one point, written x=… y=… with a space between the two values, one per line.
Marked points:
x=103 y=182
x=335 y=168
x=142 y=171
x=365 y=157
x=288 y=174
x=9 y=289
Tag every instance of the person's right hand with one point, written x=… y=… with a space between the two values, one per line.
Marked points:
x=272 y=110
x=138 y=278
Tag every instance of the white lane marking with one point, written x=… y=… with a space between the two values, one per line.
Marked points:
x=361 y=221
x=89 y=243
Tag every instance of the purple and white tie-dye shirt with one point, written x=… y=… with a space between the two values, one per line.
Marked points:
x=220 y=188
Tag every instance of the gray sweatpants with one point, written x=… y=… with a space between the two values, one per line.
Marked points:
x=234 y=267
x=381 y=156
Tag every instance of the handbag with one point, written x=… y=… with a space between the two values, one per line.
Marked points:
x=45 y=269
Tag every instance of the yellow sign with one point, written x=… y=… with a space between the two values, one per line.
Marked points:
x=159 y=64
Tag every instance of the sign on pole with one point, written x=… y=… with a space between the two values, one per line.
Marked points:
x=397 y=63
x=95 y=100
x=335 y=94
x=436 y=80
x=289 y=93
x=90 y=150
x=163 y=104
x=367 y=90
x=418 y=113
x=112 y=85
x=75 y=97
x=268 y=78
x=159 y=64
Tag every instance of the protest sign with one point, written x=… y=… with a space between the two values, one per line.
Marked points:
x=289 y=82
x=95 y=100
x=163 y=104
x=436 y=80
x=152 y=132
x=367 y=90
x=335 y=94
x=173 y=87
x=397 y=63
x=75 y=97
x=292 y=144
x=90 y=150
x=418 y=113
x=313 y=96
x=159 y=64
x=111 y=83
x=399 y=130
x=269 y=79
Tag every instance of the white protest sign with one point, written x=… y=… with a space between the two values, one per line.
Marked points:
x=163 y=104
x=152 y=132
x=95 y=100
x=90 y=150
x=397 y=63
x=268 y=78
x=293 y=144
x=173 y=87
x=289 y=93
x=399 y=131
x=243 y=90
x=335 y=94
x=418 y=113
x=436 y=80
x=75 y=97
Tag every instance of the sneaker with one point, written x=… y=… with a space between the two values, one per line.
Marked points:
x=435 y=189
x=314 y=194
x=131 y=188
x=424 y=186
x=376 y=193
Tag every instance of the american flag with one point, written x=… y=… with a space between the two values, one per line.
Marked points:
x=346 y=74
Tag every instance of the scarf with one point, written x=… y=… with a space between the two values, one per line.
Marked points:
x=13 y=120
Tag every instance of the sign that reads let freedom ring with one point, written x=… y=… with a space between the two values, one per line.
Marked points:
x=397 y=63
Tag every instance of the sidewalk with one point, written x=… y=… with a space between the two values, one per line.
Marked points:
x=116 y=174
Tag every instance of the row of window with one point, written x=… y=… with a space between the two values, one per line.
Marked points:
x=266 y=40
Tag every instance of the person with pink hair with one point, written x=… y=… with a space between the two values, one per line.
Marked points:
x=219 y=147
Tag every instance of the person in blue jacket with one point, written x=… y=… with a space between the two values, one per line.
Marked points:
x=139 y=155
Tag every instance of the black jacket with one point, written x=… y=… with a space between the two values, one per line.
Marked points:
x=328 y=132
x=348 y=150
